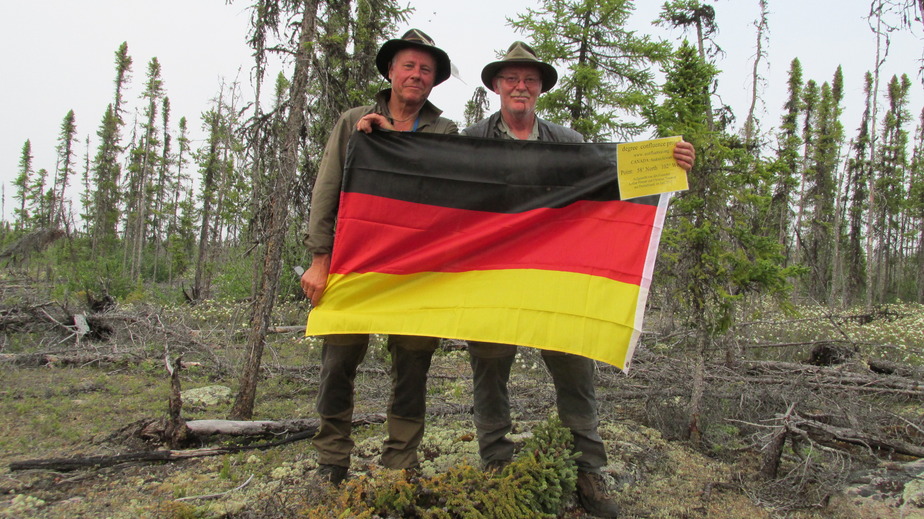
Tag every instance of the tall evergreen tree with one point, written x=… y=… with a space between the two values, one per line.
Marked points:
x=787 y=167
x=145 y=162
x=687 y=14
x=890 y=190
x=210 y=164
x=820 y=190
x=106 y=175
x=477 y=106
x=711 y=255
x=107 y=170
x=859 y=171
x=162 y=188
x=22 y=183
x=608 y=66
x=916 y=209
x=123 y=63
x=86 y=194
x=810 y=99
x=65 y=165
x=178 y=213
x=39 y=203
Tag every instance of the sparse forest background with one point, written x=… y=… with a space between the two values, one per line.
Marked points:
x=796 y=218
x=841 y=206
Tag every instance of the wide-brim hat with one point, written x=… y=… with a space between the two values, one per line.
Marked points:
x=417 y=39
x=520 y=53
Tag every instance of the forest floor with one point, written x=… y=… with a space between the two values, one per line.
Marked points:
x=848 y=436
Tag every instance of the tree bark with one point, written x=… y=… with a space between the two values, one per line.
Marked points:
x=694 y=423
x=277 y=221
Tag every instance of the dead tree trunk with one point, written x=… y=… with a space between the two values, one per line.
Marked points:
x=277 y=220
x=295 y=430
x=694 y=423
x=176 y=431
x=201 y=280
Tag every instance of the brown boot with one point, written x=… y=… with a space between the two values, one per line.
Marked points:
x=496 y=466
x=335 y=474
x=593 y=495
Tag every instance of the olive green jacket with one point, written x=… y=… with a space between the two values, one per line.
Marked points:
x=325 y=198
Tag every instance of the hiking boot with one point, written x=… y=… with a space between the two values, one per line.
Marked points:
x=496 y=466
x=335 y=474
x=412 y=474
x=593 y=495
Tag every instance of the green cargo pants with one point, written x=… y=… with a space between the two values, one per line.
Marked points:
x=575 y=398
x=340 y=358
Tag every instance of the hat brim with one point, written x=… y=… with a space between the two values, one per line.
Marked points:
x=392 y=47
x=549 y=74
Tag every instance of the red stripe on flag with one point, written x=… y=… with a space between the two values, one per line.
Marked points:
x=606 y=239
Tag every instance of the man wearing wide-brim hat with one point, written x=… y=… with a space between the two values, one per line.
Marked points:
x=518 y=78
x=413 y=65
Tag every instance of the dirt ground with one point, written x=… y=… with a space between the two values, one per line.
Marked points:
x=53 y=407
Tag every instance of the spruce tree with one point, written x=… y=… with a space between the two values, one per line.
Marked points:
x=711 y=254
x=477 y=106
x=820 y=189
x=890 y=177
x=21 y=184
x=179 y=232
x=145 y=162
x=86 y=195
x=687 y=14
x=787 y=166
x=161 y=189
x=810 y=98
x=858 y=174
x=604 y=68
x=39 y=200
x=210 y=166
x=916 y=209
x=123 y=63
x=106 y=175
x=105 y=210
x=65 y=166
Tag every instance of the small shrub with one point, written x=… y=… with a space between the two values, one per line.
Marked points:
x=536 y=484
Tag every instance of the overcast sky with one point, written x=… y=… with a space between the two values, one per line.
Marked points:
x=58 y=55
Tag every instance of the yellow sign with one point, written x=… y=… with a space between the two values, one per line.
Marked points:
x=649 y=168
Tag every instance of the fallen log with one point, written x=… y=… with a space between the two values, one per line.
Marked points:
x=286 y=329
x=830 y=378
x=825 y=433
x=206 y=428
x=36 y=360
x=885 y=367
x=76 y=463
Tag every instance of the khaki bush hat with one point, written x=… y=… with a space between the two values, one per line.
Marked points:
x=520 y=53
x=419 y=40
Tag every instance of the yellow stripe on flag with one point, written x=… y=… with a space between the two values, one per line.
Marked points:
x=587 y=315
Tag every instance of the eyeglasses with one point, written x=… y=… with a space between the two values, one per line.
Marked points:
x=512 y=81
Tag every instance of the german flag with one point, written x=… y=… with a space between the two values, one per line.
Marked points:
x=517 y=242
